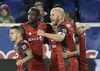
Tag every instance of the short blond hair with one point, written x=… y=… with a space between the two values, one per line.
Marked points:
x=38 y=4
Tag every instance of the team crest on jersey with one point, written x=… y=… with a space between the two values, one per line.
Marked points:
x=64 y=30
x=24 y=47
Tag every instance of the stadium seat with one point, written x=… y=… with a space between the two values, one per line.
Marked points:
x=89 y=10
x=93 y=21
x=68 y=6
x=14 y=7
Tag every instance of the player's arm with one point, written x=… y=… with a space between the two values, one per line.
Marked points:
x=27 y=53
x=27 y=58
x=56 y=37
x=68 y=54
x=82 y=28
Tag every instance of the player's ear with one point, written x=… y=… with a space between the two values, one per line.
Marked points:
x=19 y=34
x=60 y=16
x=72 y=21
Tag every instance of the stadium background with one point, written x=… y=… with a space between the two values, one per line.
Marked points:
x=7 y=54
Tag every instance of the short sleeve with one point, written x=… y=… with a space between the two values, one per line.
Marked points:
x=62 y=29
x=23 y=47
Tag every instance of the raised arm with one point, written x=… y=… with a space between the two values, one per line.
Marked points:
x=55 y=37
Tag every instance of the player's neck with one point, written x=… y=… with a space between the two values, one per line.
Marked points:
x=60 y=21
x=34 y=24
x=18 y=40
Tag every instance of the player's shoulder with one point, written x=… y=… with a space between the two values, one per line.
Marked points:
x=24 y=24
x=24 y=42
x=45 y=25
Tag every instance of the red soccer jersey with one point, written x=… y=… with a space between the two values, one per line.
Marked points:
x=81 y=40
x=54 y=60
x=36 y=42
x=68 y=43
x=23 y=46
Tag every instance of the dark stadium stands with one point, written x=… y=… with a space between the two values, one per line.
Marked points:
x=68 y=6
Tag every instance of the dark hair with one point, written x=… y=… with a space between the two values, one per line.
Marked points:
x=57 y=5
x=19 y=29
x=36 y=10
x=72 y=16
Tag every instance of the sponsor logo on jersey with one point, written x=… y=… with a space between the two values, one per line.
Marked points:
x=35 y=38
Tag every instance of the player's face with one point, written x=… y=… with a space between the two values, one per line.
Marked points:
x=54 y=17
x=13 y=35
x=32 y=16
x=67 y=17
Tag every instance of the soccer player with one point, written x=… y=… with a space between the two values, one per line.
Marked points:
x=30 y=34
x=23 y=52
x=80 y=42
x=65 y=40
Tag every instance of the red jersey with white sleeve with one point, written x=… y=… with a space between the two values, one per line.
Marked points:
x=81 y=40
x=35 y=41
x=22 y=47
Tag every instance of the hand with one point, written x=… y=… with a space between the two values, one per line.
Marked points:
x=20 y=62
x=66 y=54
x=40 y=33
x=80 y=31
